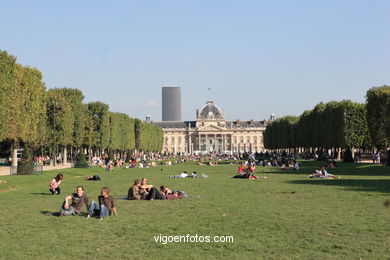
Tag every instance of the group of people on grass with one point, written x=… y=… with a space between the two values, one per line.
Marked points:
x=74 y=203
x=105 y=205
x=247 y=171
x=142 y=190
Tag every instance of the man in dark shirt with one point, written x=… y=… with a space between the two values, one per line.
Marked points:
x=106 y=205
x=78 y=199
x=134 y=191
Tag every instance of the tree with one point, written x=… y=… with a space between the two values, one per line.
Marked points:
x=329 y=125
x=59 y=120
x=89 y=135
x=7 y=83
x=75 y=98
x=100 y=118
x=26 y=113
x=378 y=115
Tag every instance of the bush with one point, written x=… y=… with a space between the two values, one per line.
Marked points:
x=81 y=162
x=25 y=165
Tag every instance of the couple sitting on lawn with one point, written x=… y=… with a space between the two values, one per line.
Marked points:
x=106 y=206
x=141 y=190
x=323 y=174
x=245 y=172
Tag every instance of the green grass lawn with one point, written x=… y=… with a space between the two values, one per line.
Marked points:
x=286 y=216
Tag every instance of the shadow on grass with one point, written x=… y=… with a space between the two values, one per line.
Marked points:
x=57 y=214
x=359 y=185
x=49 y=213
x=42 y=193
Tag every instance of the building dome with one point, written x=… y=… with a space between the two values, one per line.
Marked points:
x=210 y=111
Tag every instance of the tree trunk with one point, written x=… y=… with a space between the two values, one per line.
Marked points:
x=15 y=156
x=89 y=154
x=339 y=154
x=65 y=160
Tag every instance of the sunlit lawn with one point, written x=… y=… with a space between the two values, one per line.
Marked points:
x=286 y=216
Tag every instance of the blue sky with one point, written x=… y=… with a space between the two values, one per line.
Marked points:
x=258 y=57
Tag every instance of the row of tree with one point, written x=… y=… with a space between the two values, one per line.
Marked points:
x=58 y=120
x=342 y=124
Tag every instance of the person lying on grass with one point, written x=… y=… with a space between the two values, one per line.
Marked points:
x=78 y=200
x=169 y=194
x=54 y=187
x=106 y=205
x=92 y=178
x=181 y=175
x=323 y=174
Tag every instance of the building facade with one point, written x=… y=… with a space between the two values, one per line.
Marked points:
x=171 y=104
x=212 y=133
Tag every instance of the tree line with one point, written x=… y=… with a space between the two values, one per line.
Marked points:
x=52 y=120
x=342 y=125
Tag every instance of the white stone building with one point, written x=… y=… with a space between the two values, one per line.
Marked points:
x=212 y=133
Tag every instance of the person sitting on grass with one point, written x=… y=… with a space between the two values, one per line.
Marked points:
x=78 y=199
x=148 y=192
x=252 y=167
x=134 y=192
x=106 y=205
x=92 y=178
x=296 y=166
x=331 y=164
x=241 y=169
x=55 y=184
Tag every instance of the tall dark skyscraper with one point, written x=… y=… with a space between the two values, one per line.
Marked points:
x=171 y=104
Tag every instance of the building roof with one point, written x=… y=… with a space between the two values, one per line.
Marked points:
x=175 y=124
x=250 y=123
x=229 y=124
x=211 y=111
